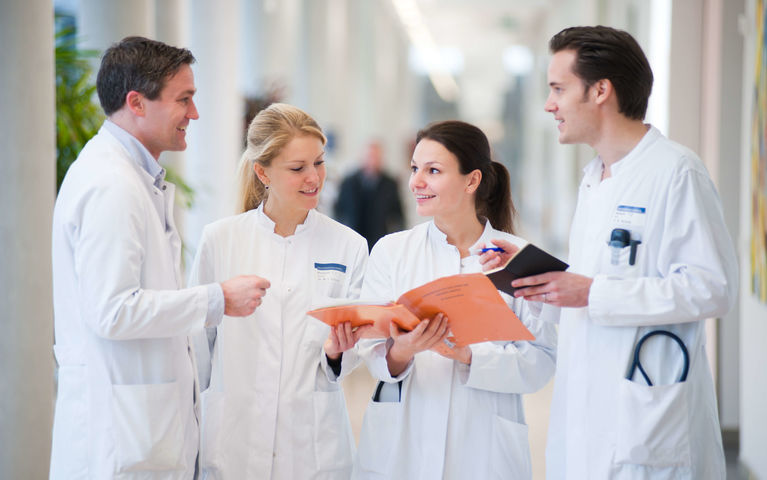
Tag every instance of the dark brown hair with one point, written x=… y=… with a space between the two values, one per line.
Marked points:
x=472 y=149
x=606 y=53
x=138 y=64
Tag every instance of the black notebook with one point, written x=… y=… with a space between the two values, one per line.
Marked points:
x=529 y=260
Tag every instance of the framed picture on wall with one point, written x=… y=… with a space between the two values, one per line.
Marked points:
x=758 y=172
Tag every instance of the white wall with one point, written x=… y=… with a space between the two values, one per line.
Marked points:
x=727 y=148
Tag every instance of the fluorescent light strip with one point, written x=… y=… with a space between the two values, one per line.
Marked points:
x=421 y=38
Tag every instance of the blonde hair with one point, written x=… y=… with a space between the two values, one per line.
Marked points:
x=269 y=132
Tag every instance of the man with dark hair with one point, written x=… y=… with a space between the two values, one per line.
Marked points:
x=650 y=260
x=368 y=200
x=126 y=382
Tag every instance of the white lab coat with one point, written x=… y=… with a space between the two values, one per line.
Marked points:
x=602 y=425
x=454 y=421
x=126 y=378
x=274 y=408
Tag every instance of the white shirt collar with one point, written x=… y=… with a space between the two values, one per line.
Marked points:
x=137 y=151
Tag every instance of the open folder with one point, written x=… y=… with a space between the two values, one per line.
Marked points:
x=474 y=308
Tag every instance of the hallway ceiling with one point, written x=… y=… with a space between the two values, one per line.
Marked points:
x=475 y=25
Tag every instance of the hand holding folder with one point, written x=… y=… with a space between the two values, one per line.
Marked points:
x=471 y=302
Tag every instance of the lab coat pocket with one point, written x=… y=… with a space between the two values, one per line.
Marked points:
x=149 y=435
x=70 y=427
x=212 y=404
x=378 y=436
x=653 y=424
x=333 y=441
x=510 y=450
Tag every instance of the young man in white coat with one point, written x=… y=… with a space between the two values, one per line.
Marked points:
x=126 y=383
x=649 y=250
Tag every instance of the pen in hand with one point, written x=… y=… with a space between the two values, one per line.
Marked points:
x=480 y=251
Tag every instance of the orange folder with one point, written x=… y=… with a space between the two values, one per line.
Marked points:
x=470 y=301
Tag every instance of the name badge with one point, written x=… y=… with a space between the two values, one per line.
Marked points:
x=630 y=218
x=333 y=272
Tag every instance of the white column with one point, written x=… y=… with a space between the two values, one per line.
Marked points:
x=315 y=77
x=685 y=91
x=335 y=110
x=170 y=20
x=362 y=91
x=392 y=117
x=392 y=120
x=215 y=140
x=281 y=23
x=728 y=71
x=101 y=23
x=253 y=47
x=27 y=188
x=171 y=27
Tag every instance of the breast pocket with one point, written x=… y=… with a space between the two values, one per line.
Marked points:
x=330 y=279
x=618 y=262
x=148 y=429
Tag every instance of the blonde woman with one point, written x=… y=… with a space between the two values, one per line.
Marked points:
x=274 y=407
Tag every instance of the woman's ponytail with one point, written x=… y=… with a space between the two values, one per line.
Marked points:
x=494 y=200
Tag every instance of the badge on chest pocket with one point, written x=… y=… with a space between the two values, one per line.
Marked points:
x=628 y=229
x=329 y=278
x=625 y=240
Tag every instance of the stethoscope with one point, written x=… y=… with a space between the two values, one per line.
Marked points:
x=638 y=348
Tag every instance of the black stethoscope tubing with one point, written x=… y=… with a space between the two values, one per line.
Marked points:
x=636 y=364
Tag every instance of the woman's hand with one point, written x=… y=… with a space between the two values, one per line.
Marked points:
x=459 y=354
x=342 y=337
x=406 y=344
x=492 y=259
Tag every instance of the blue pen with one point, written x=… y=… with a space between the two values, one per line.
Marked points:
x=491 y=249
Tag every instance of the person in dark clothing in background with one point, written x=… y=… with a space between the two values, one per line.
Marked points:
x=368 y=200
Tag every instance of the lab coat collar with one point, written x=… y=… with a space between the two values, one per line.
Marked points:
x=137 y=151
x=594 y=167
x=440 y=238
x=437 y=236
x=488 y=234
x=264 y=221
